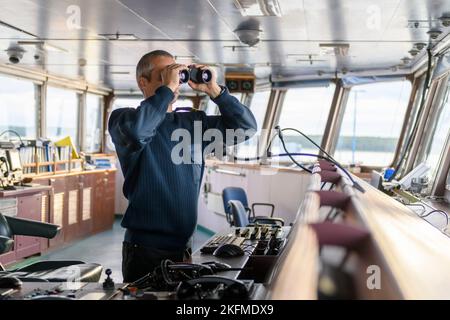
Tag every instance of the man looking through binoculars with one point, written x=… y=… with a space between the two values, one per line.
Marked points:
x=162 y=211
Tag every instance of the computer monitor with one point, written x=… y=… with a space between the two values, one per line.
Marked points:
x=377 y=180
x=14 y=160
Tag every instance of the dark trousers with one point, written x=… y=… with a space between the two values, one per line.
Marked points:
x=137 y=260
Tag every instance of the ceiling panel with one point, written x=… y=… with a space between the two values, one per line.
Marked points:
x=379 y=33
x=181 y=19
x=57 y=19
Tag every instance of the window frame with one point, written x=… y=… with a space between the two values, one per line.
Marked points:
x=411 y=112
x=434 y=95
x=430 y=120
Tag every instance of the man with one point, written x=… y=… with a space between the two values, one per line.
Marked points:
x=162 y=211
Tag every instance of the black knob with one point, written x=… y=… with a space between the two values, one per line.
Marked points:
x=108 y=283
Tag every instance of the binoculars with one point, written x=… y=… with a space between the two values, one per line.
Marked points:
x=196 y=75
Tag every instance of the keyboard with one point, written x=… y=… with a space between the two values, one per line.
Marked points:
x=217 y=241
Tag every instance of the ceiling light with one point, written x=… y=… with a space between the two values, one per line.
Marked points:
x=414 y=52
x=119 y=36
x=120 y=72
x=249 y=37
x=434 y=33
x=258 y=8
x=184 y=57
x=240 y=48
x=42 y=44
x=445 y=19
x=420 y=45
x=337 y=49
x=82 y=62
x=406 y=60
x=15 y=53
x=300 y=55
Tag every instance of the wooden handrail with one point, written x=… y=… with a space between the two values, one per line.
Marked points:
x=295 y=276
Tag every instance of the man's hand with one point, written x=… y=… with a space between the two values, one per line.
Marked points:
x=171 y=76
x=211 y=88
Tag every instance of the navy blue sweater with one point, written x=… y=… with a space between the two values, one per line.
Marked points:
x=162 y=195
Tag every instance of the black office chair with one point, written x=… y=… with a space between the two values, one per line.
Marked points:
x=42 y=271
x=240 y=218
x=235 y=193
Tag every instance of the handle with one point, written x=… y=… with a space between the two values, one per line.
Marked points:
x=229 y=172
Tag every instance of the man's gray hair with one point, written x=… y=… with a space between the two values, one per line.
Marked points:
x=144 y=67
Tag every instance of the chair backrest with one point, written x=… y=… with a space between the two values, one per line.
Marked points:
x=6 y=236
x=238 y=212
x=234 y=193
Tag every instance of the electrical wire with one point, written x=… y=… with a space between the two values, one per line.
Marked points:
x=327 y=156
x=437 y=211
x=355 y=184
x=417 y=205
x=309 y=139
x=280 y=135
x=15 y=133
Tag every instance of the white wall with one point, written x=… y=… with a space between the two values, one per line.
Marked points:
x=284 y=189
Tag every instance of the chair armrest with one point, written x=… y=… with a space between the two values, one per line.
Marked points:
x=48 y=265
x=249 y=213
x=6 y=244
x=263 y=204
x=26 y=227
x=267 y=220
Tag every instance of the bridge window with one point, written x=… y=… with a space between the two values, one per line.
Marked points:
x=183 y=103
x=62 y=114
x=440 y=135
x=305 y=109
x=93 y=119
x=258 y=106
x=372 y=123
x=18 y=107
x=212 y=109
x=121 y=102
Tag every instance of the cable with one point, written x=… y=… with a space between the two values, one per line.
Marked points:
x=417 y=205
x=14 y=132
x=355 y=184
x=437 y=211
x=290 y=155
x=309 y=139
x=280 y=135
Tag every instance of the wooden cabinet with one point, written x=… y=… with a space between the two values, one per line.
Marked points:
x=87 y=188
x=82 y=204
x=58 y=209
x=109 y=202
x=28 y=207
x=73 y=208
x=104 y=195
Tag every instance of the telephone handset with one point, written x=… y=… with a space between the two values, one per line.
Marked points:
x=212 y=288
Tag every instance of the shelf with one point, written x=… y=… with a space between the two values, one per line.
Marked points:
x=49 y=163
